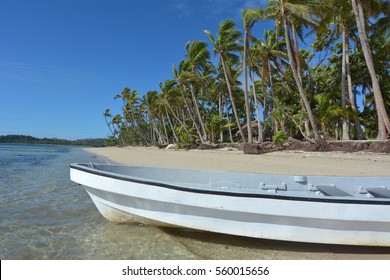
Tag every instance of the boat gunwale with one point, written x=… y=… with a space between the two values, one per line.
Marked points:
x=118 y=176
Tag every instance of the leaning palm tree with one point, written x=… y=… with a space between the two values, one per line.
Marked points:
x=288 y=13
x=180 y=78
x=149 y=101
x=197 y=61
x=225 y=45
x=107 y=114
x=167 y=90
x=383 y=119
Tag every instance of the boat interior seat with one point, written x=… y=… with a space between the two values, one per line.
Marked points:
x=332 y=191
x=379 y=192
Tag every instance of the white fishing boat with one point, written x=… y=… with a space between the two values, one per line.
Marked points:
x=317 y=209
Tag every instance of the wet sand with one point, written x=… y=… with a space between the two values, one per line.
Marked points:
x=206 y=245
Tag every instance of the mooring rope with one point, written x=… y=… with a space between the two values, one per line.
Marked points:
x=37 y=194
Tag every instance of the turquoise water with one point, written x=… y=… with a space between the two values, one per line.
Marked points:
x=43 y=215
x=40 y=208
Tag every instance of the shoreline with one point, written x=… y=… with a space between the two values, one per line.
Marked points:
x=279 y=162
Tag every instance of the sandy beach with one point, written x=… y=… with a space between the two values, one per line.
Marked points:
x=205 y=245
x=285 y=162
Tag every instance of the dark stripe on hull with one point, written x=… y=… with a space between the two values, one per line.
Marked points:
x=172 y=208
x=372 y=201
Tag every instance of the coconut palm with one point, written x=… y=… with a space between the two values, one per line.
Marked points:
x=358 y=10
x=197 y=62
x=169 y=97
x=169 y=102
x=181 y=77
x=220 y=88
x=290 y=13
x=252 y=69
x=150 y=102
x=107 y=114
x=328 y=112
x=249 y=19
x=226 y=44
x=268 y=54
x=343 y=22
x=117 y=121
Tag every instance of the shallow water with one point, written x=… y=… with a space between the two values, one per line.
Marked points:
x=43 y=215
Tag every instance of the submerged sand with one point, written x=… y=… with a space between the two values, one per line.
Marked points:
x=206 y=245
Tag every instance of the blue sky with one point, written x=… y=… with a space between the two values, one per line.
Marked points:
x=62 y=61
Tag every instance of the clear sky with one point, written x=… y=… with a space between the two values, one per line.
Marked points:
x=62 y=61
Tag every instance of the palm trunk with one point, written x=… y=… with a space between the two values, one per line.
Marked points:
x=295 y=49
x=260 y=138
x=195 y=101
x=177 y=118
x=231 y=99
x=109 y=126
x=383 y=119
x=171 y=125
x=220 y=109
x=271 y=83
x=343 y=83
x=136 y=127
x=160 y=138
x=230 y=128
x=298 y=79
x=189 y=112
x=165 y=128
x=244 y=65
x=358 y=128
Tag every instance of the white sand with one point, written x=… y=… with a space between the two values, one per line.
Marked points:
x=291 y=162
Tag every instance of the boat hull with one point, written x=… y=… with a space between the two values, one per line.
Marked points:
x=269 y=217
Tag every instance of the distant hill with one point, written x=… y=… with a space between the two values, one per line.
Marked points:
x=26 y=139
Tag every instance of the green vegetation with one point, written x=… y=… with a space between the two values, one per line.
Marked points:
x=24 y=139
x=279 y=138
x=275 y=85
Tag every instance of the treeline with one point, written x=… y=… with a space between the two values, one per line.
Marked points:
x=26 y=139
x=273 y=87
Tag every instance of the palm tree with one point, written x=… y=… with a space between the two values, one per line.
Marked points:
x=168 y=98
x=220 y=87
x=167 y=102
x=267 y=55
x=180 y=78
x=117 y=120
x=252 y=65
x=342 y=18
x=289 y=12
x=131 y=110
x=197 y=61
x=106 y=115
x=383 y=119
x=249 y=19
x=225 y=45
x=150 y=102
x=328 y=112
